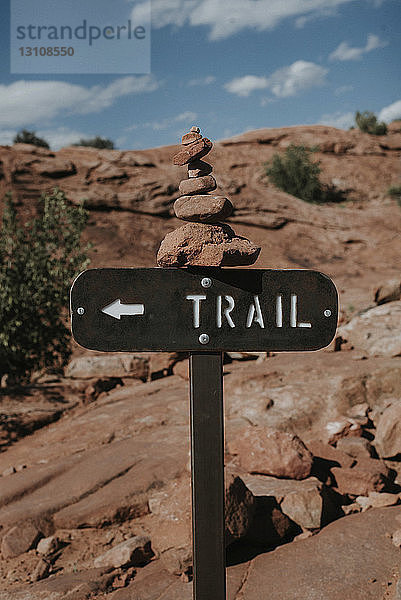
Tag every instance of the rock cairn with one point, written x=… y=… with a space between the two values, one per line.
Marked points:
x=204 y=240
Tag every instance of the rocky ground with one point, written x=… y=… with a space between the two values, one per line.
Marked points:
x=95 y=490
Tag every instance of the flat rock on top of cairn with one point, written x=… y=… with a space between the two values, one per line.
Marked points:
x=204 y=241
x=192 y=136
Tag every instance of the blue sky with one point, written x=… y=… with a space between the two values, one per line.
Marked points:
x=225 y=65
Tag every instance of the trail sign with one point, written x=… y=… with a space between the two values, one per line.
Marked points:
x=203 y=309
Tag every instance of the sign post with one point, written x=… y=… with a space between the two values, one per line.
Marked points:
x=204 y=311
x=207 y=462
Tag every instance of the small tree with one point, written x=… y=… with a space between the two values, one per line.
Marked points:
x=368 y=123
x=97 y=142
x=295 y=173
x=38 y=261
x=29 y=137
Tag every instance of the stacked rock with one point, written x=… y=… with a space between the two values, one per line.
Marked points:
x=204 y=240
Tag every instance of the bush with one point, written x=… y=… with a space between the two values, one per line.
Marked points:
x=29 y=137
x=368 y=123
x=395 y=192
x=97 y=142
x=38 y=261
x=296 y=174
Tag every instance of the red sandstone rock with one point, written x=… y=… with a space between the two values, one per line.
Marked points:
x=198 y=185
x=200 y=244
x=333 y=456
x=41 y=570
x=55 y=169
x=135 y=551
x=19 y=539
x=388 y=431
x=357 y=447
x=266 y=451
x=377 y=331
x=199 y=168
x=193 y=151
x=203 y=208
x=368 y=475
x=239 y=507
x=188 y=138
x=388 y=292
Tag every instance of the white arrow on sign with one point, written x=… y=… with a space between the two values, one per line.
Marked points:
x=117 y=310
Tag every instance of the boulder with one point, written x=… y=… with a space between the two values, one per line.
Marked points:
x=48 y=545
x=301 y=501
x=388 y=432
x=267 y=451
x=376 y=332
x=19 y=539
x=377 y=500
x=368 y=475
x=135 y=551
x=325 y=454
x=396 y=537
x=41 y=570
x=357 y=447
x=239 y=508
x=388 y=292
x=110 y=365
x=170 y=520
x=304 y=507
x=199 y=244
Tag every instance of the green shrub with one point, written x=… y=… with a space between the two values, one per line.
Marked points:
x=395 y=192
x=295 y=173
x=29 y=137
x=368 y=123
x=96 y=142
x=38 y=261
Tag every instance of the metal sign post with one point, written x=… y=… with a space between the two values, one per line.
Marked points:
x=207 y=459
x=204 y=311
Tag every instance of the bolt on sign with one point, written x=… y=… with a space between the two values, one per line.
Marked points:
x=210 y=309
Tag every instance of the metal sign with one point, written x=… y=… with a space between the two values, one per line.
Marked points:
x=203 y=309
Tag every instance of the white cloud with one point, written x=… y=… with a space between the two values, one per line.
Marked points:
x=243 y=86
x=62 y=136
x=208 y=80
x=266 y=100
x=25 y=103
x=338 y=119
x=299 y=76
x=346 y=52
x=323 y=13
x=391 y=112
x=343 y=89
x=285 y=82
x=228 y=17
x=187 y=118
x=7 y=136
